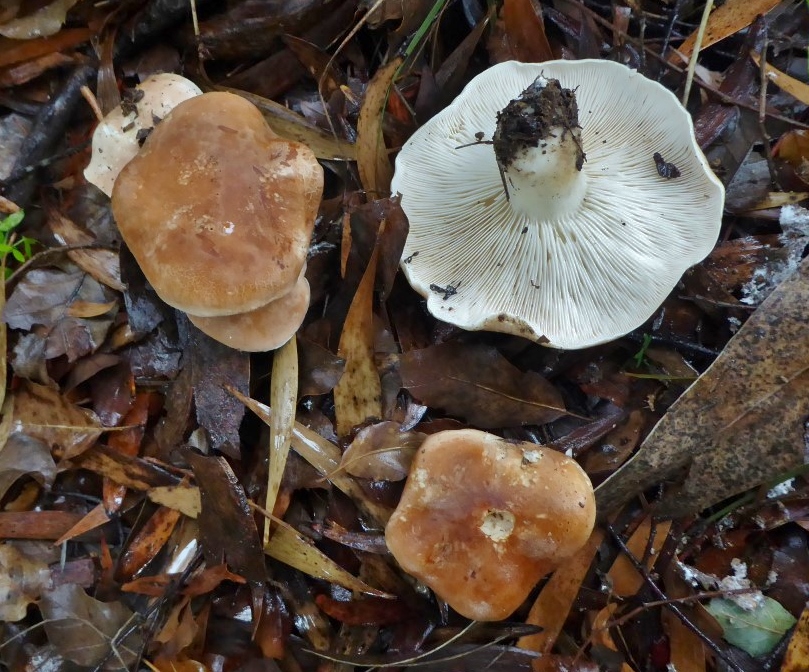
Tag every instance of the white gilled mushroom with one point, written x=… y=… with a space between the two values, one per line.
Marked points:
x=573 y=219
x=116 y=140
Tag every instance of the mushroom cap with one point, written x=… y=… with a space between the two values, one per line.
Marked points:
x=262 y=329
x=579 y=279
x=482 y=519
x=217 y=209
x=115 y=140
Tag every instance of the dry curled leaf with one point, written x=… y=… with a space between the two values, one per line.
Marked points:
x=477 y=383
x=373 y=163
x=741 y=423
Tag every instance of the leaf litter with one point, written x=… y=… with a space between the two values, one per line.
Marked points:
x=144 y=444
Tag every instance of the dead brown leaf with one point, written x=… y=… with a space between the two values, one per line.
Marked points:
x=477 y=383
x=373 y=162
x=45 y=296
x=84 y=630
x=358 y=394
x=741 y=423
x=525 y=31
x=724 y=21
x=147 y=541
x=381 y=452
x=42 y=413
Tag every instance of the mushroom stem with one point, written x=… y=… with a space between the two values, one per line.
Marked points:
x=538 y=148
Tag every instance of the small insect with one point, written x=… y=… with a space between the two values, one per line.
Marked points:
x=478 y=141
x=448 y=291
x=664 y=169
x=407 y=260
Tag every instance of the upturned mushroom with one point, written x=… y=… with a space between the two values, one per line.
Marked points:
x=559 y=201
x=117 y=138
x=482 y=519
x=218 y=211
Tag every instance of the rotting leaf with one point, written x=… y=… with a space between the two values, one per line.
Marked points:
x=381 y=452
x=373 y=162
x=477 y=383
x=45 y=296
x=83 y=629
x=740 y=424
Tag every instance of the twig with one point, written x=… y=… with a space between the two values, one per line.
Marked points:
x=684 y=619
x=762 y=107
x=692 y=62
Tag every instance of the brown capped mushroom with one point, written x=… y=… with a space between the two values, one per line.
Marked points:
x=217 y=209
x=262 y=329
x=482 y=519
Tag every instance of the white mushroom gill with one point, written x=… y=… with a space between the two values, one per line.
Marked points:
x=587 y=268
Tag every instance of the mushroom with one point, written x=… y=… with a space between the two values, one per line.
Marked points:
x=118 y=137
x=482 y=519
x=265 y=328
x=566 y=215
x=218 y=211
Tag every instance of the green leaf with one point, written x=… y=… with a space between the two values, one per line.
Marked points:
x=11 y=221
x=758 y=631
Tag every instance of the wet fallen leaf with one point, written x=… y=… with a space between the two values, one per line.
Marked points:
x=85 y=630
x=526 y=31
x=725 y=20
x=687 y=649
x=740 y=424
x=147 y=541
x=783 y=81
x=358 y=394
x=600 y=623
x=365 y=611
x=796 y=658
x=477 y=383
x=555 y=600
x=283 y=399
x=625 y=579
x=381 y=452
x=213 y=366
x=323 y=456
x=320 y=369
x=290 y=547
x=755 y=631
x=373 y=162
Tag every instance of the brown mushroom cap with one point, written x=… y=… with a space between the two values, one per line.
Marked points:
x=218 y=210
x=482 y=519
x=262 y=329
